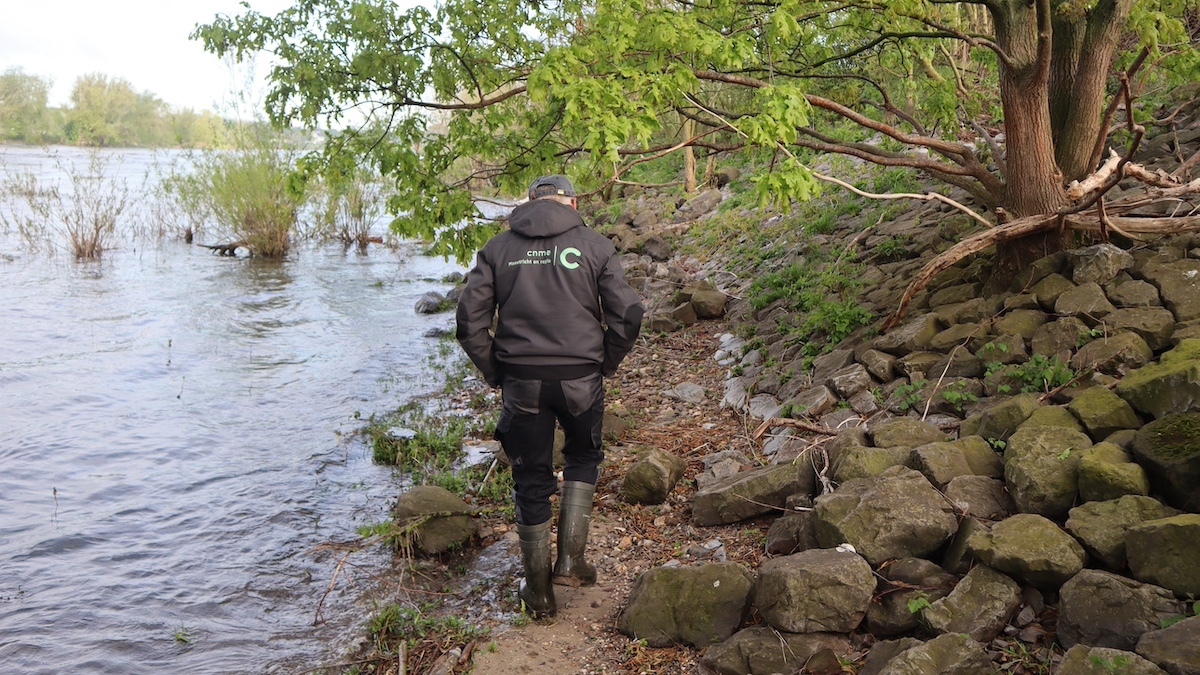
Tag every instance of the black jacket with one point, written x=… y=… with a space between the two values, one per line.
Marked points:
x=553 y=280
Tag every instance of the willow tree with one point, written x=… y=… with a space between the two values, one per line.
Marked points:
x=1006 y=99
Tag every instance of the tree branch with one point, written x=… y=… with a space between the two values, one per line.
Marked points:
x=830 y=179
x=1045 y=42
x=1111 y=111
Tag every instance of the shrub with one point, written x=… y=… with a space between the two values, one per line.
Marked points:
x=81 y=216
x=250 y=193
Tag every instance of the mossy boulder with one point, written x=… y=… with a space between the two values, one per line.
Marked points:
x=1175 y=648
x=864 y=462
x=952 y=295
x=1058 y=337
x=902 y=581
x=1176 y=282
x=1098 y=264
x=1101 y=526
x=751 y=493
x=1052 y=416
x=709 y=303
x=981 y=497
x=1086 y=301
x=1170 y=386
x=1049 y=288
x=953 y=653
x=1116 y=355
x=1154 y=324
x=1085 y=660
x=1133 y=293
x=1102 y=609
x=1169 y=449
x=904 y=432
x=1006 y=349
x=972 y=335
x=1106 y=472
x=944 y=461
x=698 y=605
x=1030 y=548
x=433 y=519
x=819 y=590
x=1102 y=412
x=914 y=335
x=651 y=478
x=760 y=650
x=896 y=514
x=1166 y=552
x=1041 y=468
x=1020 y=322
x=791 y=533
x=980 y=605
x=1004 y=417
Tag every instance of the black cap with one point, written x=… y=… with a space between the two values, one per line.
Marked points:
x=551 y=185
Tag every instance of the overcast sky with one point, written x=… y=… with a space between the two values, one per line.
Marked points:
x=142 y=41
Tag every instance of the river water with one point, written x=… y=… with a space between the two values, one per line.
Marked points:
x=176 y=440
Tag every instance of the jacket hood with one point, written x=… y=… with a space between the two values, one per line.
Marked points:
x=543 y=218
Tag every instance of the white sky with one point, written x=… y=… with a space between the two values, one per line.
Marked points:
x=142 y=41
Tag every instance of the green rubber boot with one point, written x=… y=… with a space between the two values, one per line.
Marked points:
x=574 y=517
x=536 y=591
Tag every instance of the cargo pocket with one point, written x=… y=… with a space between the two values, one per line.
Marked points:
x=583 y=394
x=521 y=397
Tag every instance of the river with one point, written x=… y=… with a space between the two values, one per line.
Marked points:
x=176 y=440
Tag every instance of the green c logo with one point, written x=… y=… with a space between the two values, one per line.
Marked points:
x=569 y=264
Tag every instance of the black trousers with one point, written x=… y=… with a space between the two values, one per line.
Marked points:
x=526 y=431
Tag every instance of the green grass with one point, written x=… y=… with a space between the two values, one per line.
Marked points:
x=413 y=624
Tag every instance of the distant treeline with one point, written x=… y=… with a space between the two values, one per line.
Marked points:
x=104 y=111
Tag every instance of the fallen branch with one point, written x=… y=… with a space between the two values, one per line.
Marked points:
x=790 y=422
x=317 y=618
x=1078 y=188
x=1017 y=229
x=226 y=249
x=1023 y=227
x=793 y=509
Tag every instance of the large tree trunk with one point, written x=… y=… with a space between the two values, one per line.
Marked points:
x=1082 y=97
x=1034 y=182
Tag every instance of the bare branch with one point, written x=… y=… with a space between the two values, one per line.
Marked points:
x=858 y=150
x=790 y=422
x=1098 y=148
x=973 y=40
x=1078 y=188
x=928 y=196
x=1045 y=41
x=872 y=195
x=997 y=151
x=1015 y=230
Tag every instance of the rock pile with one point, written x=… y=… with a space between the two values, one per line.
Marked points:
x=1002 y=460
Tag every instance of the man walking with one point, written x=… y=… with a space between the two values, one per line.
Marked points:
x=566 y=316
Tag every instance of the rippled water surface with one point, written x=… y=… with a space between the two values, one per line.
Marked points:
x=175 y=441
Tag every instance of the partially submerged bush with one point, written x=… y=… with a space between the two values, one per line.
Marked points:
x=352 y=205
x=81 y=216
x=251 y=193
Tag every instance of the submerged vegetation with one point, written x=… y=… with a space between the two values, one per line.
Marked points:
x=249 y=195
x=79 y=216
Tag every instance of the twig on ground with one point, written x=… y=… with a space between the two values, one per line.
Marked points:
x=790 y=422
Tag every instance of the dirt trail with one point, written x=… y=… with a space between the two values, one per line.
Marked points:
x=626 y=539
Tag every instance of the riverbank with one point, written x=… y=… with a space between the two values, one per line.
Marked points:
x=947 y=492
